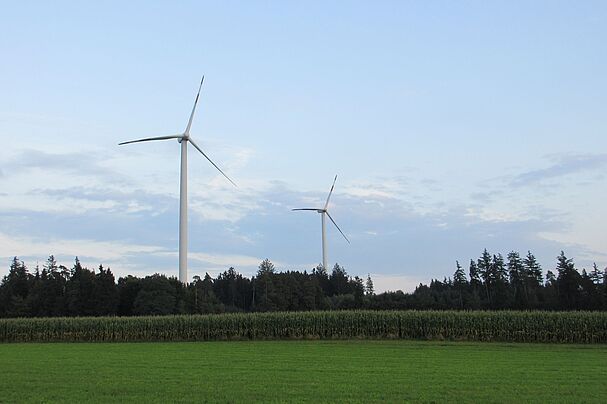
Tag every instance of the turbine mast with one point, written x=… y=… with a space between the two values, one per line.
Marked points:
x=183 y=213
x=324 y=243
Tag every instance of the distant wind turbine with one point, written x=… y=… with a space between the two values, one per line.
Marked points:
x=184 y=138
x=324 y=211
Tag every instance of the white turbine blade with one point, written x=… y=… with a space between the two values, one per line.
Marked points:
x=187 y=130
x=147 y=139
x=314 y=209
x=330 y=192
x=342 y=233
x=211 y=161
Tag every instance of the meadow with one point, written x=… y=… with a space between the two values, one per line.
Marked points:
x=303 y=371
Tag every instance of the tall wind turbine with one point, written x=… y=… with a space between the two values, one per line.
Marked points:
x=184 y=138
x=325 y=212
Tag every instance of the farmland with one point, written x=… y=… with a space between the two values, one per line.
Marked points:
x=502 y=326
x=296 y=371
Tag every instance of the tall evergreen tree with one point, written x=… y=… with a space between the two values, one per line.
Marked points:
x=52 y=293
x=321 y=275
x=105 y=293
x=369 y=289
x=264 y=289
x=533 y=279
x=518 y=276
x=205 y=300
x=459 y=277
x=484 y=270
x=473 y=272
x=460 y=283
x=568 y=282
x=499 y=283
x=533 y=271
x=79 y=291
x=338 y=281
x=359 y=291
x=14 y=290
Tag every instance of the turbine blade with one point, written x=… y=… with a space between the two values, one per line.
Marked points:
x=187 y=130
x=147 y=139
x=330 y=192
x=211 y=161
x=342 y=233
x=314 y=209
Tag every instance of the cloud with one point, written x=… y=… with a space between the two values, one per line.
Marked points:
x=113 y=200
x=564 y=165
x=92 y=251
x=91 y=199
x=394 y=233
x=79 y=163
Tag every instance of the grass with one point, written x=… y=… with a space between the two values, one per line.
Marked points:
x=302 y=371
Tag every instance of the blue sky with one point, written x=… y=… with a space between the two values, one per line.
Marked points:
x=453 y=126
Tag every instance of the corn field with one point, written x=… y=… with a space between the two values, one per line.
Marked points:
x=504 y=326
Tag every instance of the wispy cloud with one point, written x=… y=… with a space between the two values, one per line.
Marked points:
x=396 y=229
x=92 y=250
x=562 y=166
x=79 y=163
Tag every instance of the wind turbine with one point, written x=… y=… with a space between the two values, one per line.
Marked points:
x=325 y=212
x=184 y=138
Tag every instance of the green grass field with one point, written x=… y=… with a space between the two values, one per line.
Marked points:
x=303 y=371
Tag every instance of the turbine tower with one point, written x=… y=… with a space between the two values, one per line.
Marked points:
x=184 y=138
x=325 y=212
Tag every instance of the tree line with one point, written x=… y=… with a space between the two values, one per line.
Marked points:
x=491 y=283
x=515 y=283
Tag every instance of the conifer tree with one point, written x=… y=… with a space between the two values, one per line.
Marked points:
x=518 y=275
x=369 y=289
x=568 y=282
x=459 y=277
x=473 y=272
x=460 y=283
x=484 y=270
x=533 y=270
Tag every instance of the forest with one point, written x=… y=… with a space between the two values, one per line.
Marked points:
x=491 y=282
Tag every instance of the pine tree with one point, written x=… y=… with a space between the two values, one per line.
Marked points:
x=265 y=286
x=568 y=282
x=533 y=279
x=518 y=275
x=359 y=291
x=338 y=281
x=321 y=275
x=484 y=270
x=105 y=293
x=533 y=270
x=473 y=272
x=53 y=288
x=369 y=289
x=79 y=291
x=460 y=282
x=459 y=277
x=14 y=290
x=499 y=282
x=498 y=270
